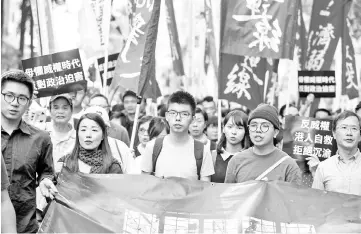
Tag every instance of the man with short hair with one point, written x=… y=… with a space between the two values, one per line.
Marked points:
x=209 y=106
x=198 y=126
x=342 y=172
x=263 y=161
x=178 y=154
x=116 y=130
x=27 y=151
x=126 y=117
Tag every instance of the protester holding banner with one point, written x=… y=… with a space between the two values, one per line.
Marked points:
x=116 y=130
x=142 y=136
x=27 y=151
x=342 y=172
x=263 y=161
x=92 y=153
x=61 y=132
x=234 y=139
x=177 y=154
x=198 y=126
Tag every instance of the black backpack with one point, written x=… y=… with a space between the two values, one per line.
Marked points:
x=198 y=154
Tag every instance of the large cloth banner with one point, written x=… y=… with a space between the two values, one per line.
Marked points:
x=91 y=203
x=242 y=79
x=57 y=73
x=260 y=28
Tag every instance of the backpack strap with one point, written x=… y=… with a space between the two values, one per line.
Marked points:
x=271 y=168
x=198 y=154
x=158 y=144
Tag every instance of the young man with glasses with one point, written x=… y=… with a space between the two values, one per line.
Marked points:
x=263 y=161
x=27 y=151
x=176 y=155
x=342 y=172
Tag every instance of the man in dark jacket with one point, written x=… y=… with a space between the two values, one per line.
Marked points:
x=27 y=151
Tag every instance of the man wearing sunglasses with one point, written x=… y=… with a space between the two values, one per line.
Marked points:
x=27 y=151
x=263 y=161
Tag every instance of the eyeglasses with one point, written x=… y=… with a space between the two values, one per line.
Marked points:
x=9 y=98
x=345 y=129
x=264 y=127
x=182 y=114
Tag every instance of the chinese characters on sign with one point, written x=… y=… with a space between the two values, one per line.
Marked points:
x=112 y=61
x=260 y=28
x=320 y=83
x=56 y=73
x=308 y=137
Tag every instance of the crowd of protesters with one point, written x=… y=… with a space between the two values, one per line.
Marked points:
x=182 y=141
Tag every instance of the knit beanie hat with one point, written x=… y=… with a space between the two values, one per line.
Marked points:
x=267 y=112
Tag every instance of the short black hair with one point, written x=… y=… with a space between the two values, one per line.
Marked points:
x=208 y=99
x=20 y=77
x=162 y=110
x=200 y=111
x=344 y=115
x=322 y=109
x=129 y=93
x=183 y=97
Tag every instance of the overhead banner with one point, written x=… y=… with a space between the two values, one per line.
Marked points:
x=349 y=73
x=112 y=62
x=260 y=28
x=176 y=205
x=271 y=87
x=304 y=137
x=174 y=40
x=57 y=73
x=242 y=79
x=324 y=34
x=320 y=83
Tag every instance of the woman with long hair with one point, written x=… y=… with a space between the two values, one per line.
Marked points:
x=92 y=153
x=142 y=136
x=158 y=127
x=234 y=139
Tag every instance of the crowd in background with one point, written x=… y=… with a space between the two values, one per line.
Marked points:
x=82 y=133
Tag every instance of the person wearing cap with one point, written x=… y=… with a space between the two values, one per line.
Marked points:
x=26 y=150
x=263 y=161
x=61 y=131
x=119 y=150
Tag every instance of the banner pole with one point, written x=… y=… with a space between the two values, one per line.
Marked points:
x=105 y=74
x=219 y=119
x=134 y=130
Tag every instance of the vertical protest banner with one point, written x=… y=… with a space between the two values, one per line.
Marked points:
x=301 y=38
x=271 y=85
x=56 y=73
x=260 y=28
x=241 y=76
x=43 y=25
x=349 y=72
x=304 y=137
x=319 y=83
x=112 y=61
x=174 y=40
x=210 y=54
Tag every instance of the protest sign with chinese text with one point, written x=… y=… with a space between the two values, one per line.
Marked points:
x=56 y=73
x=320 y=83
x=349 y=72
x=135 y=67
x=325 y=31
x=112 y=61
x=242 y=79
x=260 y=28
x=304 y=137
x=174 y=40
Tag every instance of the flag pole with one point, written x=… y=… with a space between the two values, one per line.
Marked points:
x=219 y=119
x=135 y=123
x=106 y=26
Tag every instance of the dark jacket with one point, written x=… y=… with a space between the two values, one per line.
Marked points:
x=27 y=152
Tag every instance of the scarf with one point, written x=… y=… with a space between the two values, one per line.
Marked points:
x=94 y=158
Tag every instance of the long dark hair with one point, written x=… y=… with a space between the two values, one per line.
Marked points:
x=156 y=127
x=72 y=160
x=240 y=119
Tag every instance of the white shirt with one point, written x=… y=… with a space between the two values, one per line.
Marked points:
x=177 y=160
